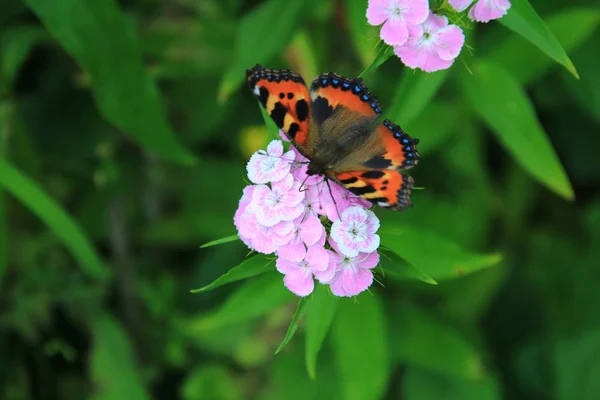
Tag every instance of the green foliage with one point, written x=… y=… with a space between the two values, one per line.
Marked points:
x=486 y=288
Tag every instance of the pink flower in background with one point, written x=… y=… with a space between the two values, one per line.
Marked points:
x=355 y=232
x=433 y=45
x=280 y=202
x=483 y=10
x=396 y=16
x=299 y=275
x=307 y=232
x=271 y=165
x=353 y=275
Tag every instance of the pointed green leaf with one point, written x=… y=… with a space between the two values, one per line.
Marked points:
x=66 y=228
x=437 y=257
x=258 y=39
x=217 y=242
x=394 y=265
x=111 y=348
x=253 y=266
x=104 y=42
x=360 y=344
x=502 y=103
x=294 y=324
x=524 y=20
x=320 y=312
x=571 y=27
x=271 y=126
x=417 y=89
x=382 y=56
x=256 y=297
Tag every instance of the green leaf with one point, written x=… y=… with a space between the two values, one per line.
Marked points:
x=321 y=309
x=213 y=381
x=103 y=41
x=294 y=324
x=227 y=239
x=417 y=89
x=425 y=342
x=258 y=39
x=250 y=267
x=571 y=27
x=360 y=344
x=525 y=21
x=364 y=36
x=112 y=362
x=437 y=257
x=63 y=226
x=382 y=56
x=271 y=126
x=498 y=99
x=394 y=265
x=15 y=47
x=423 y=385
x=253 y=299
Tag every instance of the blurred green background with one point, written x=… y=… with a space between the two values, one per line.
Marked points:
x=124 y=131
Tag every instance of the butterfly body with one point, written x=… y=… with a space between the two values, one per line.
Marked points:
x=335 y=126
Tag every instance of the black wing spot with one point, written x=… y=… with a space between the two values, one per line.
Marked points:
x=290 y=95
x=264 y=96
x=278 y=114
x=349 y=180
x=281 y=95
x=291 y=133
x=373 y=174
x=302 y=110
x=378 y=162
x=321 y=110
x=359 y=191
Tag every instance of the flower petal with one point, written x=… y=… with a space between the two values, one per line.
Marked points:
x=294 y=251
x=460 y=5
x=415 y=11
x=450 y=42
x=317 y=259
x=300 y=282
x=377 y=11
x=394 y=32
x=311 y=230
x=357 y=281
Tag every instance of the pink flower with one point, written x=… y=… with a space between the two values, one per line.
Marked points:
x=299 y=275
x=432 y=46
x=271 y=165
x=352 y=274
x=397 y=16
x=483 y=10
x=307 y=232
x=256 y=236
x=299 y=168
x=355 y=232
x=343 y=199
x=280 y=202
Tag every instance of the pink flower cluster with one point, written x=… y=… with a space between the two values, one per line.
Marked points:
x=423 y=39
x=287 y=213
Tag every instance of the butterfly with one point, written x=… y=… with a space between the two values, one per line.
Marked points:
x=335 y=126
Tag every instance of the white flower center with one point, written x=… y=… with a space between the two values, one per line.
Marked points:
x=269 y=163
x=357 y=231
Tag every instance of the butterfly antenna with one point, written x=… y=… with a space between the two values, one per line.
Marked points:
x=333 y=198
x=302 y=188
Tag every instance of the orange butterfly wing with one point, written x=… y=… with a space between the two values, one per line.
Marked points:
x=285 y=97
x=400 y=149
x=330 y=90
x=384 y=188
